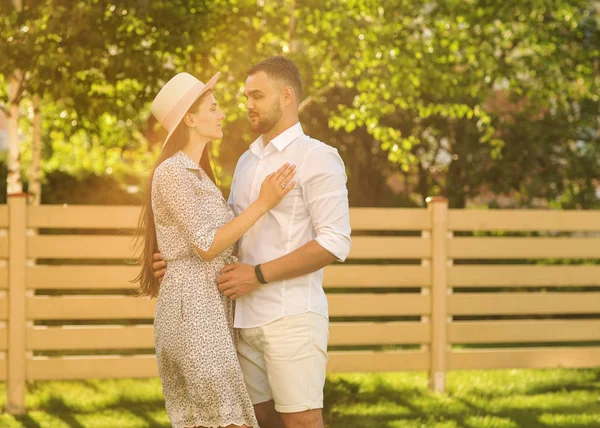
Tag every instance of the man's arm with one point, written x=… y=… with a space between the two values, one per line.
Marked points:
x=324 y=189
x=307 y=259
x=239 y=279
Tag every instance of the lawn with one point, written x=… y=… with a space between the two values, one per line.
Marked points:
x=486 y=399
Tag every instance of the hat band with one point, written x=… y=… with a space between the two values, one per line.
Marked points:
x=179 y=110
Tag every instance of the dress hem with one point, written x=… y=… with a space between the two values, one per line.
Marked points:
x=199 y=423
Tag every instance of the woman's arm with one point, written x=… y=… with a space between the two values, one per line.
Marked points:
x=188 y=209
x=231 y=232
x=271 y=193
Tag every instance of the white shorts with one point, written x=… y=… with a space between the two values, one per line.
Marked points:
x=285 y=361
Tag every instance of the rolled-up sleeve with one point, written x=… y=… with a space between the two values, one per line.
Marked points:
x=180 y=192
x=322 y=178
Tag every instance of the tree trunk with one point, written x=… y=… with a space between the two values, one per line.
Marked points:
x=35 y=187
x=457 y=171
x=13 y=179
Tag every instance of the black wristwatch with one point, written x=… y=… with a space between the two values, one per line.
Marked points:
x=259 y=274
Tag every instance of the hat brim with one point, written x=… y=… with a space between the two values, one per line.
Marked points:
x=207 y=87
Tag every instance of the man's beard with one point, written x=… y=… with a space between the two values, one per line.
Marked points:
x=266 y=122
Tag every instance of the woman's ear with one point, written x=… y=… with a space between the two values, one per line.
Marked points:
x=188 y=119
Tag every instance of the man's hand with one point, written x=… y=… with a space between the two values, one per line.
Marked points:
x=159 y=266
x=237 y=280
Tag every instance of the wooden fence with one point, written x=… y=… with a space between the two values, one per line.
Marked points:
x=424 y=289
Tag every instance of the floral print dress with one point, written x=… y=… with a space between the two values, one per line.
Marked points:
x=193 y=326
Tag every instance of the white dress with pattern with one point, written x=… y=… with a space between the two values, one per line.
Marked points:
x=193 y=326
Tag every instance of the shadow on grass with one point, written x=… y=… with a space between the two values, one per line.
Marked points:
x=27 y=421
x=592 y=385
x=382 y=405
x=56 y=407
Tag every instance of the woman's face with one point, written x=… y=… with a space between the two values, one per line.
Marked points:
x=207 y=121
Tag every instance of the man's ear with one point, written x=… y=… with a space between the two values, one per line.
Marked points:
x=288 y=95
x=188 y=119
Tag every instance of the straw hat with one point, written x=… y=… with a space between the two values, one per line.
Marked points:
x=176 y=97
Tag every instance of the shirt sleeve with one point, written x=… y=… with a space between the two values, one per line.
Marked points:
x=182 y=195
x=322 y=178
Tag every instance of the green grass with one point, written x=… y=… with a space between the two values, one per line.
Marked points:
x=474 y=399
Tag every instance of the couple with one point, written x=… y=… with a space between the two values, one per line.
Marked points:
x=291 y=219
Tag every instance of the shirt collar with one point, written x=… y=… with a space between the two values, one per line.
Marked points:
x=185 y=161
x=286 y=137
x=280 y=142
x=257 y=146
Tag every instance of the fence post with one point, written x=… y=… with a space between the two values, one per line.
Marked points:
x=17 y=207
x=438 y=207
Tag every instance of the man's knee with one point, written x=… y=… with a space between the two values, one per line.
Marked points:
x=267 y=416
x=307 y=419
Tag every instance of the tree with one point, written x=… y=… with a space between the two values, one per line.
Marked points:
x=449 y=98
x=101 y=68
x=431 y=72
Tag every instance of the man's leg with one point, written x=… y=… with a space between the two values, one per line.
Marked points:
x=308 y=419
x=267 y=416
x=295 y=355
x=255 y=378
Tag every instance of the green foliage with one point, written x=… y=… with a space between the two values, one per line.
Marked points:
x=454 y=98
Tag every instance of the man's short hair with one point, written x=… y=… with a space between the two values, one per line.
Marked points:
x=278 y=67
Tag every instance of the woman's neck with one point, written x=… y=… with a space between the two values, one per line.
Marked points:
x=194 y=149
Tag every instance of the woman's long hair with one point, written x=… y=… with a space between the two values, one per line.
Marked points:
x=149 y=285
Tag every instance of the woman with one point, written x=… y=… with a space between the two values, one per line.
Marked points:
x=186 y=218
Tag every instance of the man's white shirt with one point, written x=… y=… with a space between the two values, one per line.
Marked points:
x=316 y=208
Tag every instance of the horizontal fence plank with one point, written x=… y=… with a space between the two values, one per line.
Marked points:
x=116 y=247
x=88 y=337
x=387 y=333
x=3 y=247
x=126 y=217
x=390 y=219
x=141 y=337
x=526 y=358
x=71 y=368
x=523 y=248
x=523 y=331
x=93 y=367
x=523 y=276
x=523 y=303
x=377 y=361
x=80 y=247
x=357 y=305
x=390 y=247
x=122 y=307
x=82 y=277
x=113 y=277
x=89 y=307
x=384 y=276
x=83 y=216
x=523 y=220
x=65 y=368
x=4 y=219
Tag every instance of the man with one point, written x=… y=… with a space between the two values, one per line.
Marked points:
x=281 y=308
